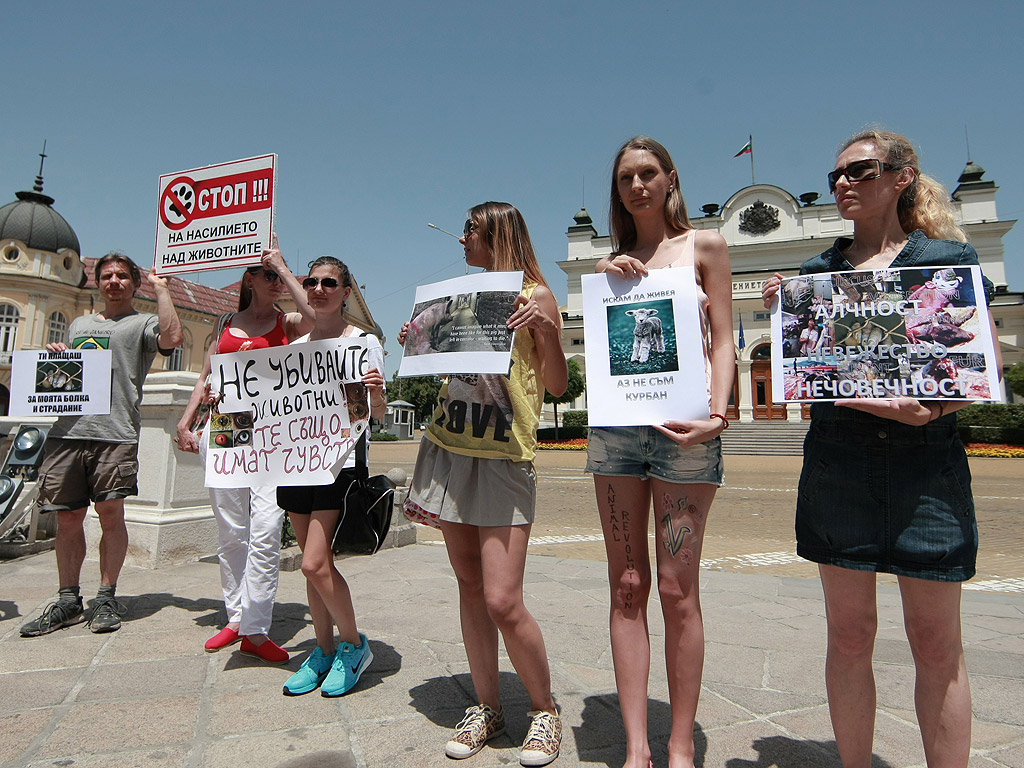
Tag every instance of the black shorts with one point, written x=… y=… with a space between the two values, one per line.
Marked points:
x=305 y=499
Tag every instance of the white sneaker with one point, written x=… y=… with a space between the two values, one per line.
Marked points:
x=542 y=740
x=480 y=725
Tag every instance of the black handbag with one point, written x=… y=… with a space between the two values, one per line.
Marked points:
x=365 y=517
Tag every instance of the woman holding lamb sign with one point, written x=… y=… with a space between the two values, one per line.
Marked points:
x=677 y=465
x=475 y=479
x=885 y=485
x=335 y=668
x=248 y=519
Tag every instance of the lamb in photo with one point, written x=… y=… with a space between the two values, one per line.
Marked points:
x=647 y=334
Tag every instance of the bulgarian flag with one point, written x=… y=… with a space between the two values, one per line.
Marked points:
x=748 y=148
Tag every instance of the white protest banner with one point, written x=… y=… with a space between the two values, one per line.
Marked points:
x=458 y=326
x=289 y=415
x=645 y=357
x=920 y=332
x=75 y=382
x=215 y=217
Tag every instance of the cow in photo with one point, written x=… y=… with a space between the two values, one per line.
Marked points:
x=647 y=334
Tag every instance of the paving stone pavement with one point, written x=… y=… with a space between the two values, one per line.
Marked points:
x=149 y=696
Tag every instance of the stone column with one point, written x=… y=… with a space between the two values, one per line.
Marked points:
x=170 y=521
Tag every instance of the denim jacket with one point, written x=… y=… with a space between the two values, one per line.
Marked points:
x=920 y=251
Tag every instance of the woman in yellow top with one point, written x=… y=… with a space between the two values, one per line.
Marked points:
x=474 y=474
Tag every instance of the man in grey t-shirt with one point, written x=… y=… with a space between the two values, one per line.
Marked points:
x=95 y=458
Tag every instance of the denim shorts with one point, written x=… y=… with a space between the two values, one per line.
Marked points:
x=646 y=452
x=877 y=495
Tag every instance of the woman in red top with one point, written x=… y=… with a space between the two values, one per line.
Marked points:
x=248 y=519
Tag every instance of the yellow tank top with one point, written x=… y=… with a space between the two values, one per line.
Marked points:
x=490 y=416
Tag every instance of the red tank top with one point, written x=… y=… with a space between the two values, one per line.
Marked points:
x=229 y=342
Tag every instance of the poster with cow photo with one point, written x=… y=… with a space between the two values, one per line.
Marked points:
x=645 y=354
x=458 y=326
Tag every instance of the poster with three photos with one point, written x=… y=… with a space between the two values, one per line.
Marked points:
x=645 y=351
x=912 y=332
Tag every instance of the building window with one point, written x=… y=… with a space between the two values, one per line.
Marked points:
x=762 y=316
x=9 y=316
x=57 y=329
x=176 y=359
x=577 y=342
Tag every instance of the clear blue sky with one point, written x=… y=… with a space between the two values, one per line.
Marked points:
x=388 y=116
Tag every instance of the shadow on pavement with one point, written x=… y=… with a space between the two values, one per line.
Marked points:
x=784 y=752
x=600 y=736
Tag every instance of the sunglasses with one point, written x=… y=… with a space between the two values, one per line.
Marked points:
x=328 y=283
x=862 y=170
x=268 y=274
x=468 y=228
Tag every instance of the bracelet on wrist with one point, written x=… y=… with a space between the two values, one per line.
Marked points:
x=725 y=421
x=942 y=409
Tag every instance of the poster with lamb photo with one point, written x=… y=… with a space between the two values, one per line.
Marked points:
x=645 y=354
x=912 y=332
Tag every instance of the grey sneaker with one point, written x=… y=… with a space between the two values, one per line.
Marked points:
x=62 y=613
x=480 y=724
x=106 y=615
x=543 y=740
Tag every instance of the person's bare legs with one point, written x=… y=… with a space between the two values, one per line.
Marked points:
x=624 y=504
x=942 y=692
x=330 y=600
x=681 y=512
x=70 y=546
x=113 y=539
x=479 y=632
x=489 y=563
x=852 y=620
x=503 y=557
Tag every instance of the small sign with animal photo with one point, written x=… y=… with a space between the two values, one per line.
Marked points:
x=75 y=382
x=921 y=332
x=645 y=354
x=458 y=326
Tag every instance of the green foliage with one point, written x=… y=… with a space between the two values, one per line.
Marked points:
x=421 y=391
x=574 y=388
x=383 y=437
x=1001 y=423
x=1015 y=379
x=574 y=419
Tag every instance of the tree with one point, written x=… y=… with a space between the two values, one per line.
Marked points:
x=573 y=390
x=1015 y=379
x=421 y=391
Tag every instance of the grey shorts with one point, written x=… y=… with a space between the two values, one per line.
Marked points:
x=466 y=489
x=77 y=471
x=646 y=452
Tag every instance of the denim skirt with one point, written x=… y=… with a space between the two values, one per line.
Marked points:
x=877 y=495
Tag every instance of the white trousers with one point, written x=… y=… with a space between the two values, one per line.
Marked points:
x=249 y=523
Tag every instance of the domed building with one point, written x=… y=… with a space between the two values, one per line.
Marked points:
x=42 y=274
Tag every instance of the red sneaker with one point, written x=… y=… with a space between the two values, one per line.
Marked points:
x=270 y=651
x=222 y=639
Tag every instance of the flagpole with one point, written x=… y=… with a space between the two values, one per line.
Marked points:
x=753 y=180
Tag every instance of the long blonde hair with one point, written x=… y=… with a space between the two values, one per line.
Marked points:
x=925 y=203
x=504 y=230
x=620 y=221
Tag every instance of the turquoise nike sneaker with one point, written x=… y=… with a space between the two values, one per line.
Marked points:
x=349 y=663
x=310 y=675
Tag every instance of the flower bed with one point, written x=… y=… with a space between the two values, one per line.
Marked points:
x=577 y=444
x=995 y=451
